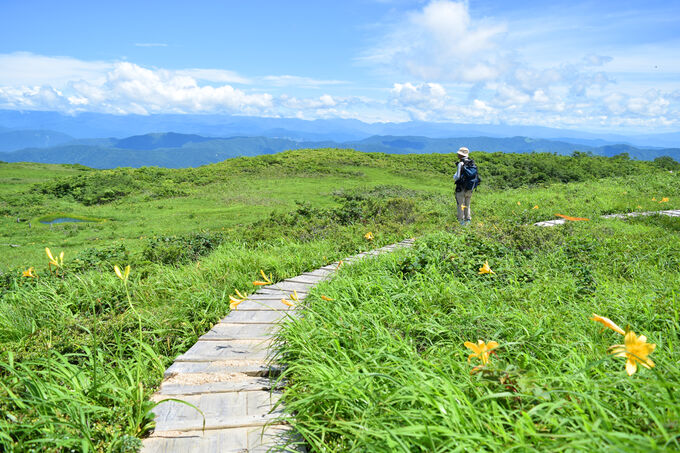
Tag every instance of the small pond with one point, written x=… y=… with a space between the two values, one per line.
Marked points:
x=64 y=220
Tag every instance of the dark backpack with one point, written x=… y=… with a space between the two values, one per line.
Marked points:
x=469 y=176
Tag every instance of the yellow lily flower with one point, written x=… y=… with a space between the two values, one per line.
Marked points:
x=463 y=206
x=664 y=200
x=234 y=302
x=28 y=273
x=288 y=303
x=607 y=323
x=635 y=349
x=486 y=269
x=481 y=350
x=519 y=203
x=51 y=257
x=368 y=236
x=653 y=198
x=294 y=296
x=121 y=275
x=535 y=207
x=326 y=298
x=267 y=280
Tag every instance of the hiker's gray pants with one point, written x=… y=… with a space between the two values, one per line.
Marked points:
x=463 y=198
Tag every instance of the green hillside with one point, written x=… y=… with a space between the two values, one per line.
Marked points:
x=80 y=351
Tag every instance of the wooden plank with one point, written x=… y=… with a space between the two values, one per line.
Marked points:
x=248 y=366
x=203 y=351
x=201 y=383
x=306 y=279
x=221 y=410
x=232 y=331
x=289 y=286
x=257 y=316
x=325 y=273
x=232 y=440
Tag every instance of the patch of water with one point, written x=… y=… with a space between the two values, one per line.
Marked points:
x=62 y=220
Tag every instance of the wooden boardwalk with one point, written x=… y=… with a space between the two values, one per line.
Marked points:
x=227 y=375
x=675 y=213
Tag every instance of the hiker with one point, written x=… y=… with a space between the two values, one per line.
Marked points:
x=466 y=179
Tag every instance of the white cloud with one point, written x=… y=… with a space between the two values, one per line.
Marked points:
x=297 y=81
x=441 y=43
x=27 y=69
x=423 y=96
x=129 y=88
x=214 y=75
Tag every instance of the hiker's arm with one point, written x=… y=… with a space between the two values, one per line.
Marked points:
x=456 y=177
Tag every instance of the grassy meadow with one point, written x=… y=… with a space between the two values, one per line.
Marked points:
x=383 y=366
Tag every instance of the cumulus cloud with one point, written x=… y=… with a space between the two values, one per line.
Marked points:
x=462 y=68
x=130 y=88
x=441 y=42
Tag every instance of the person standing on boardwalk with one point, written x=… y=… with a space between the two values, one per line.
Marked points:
x=466 y=179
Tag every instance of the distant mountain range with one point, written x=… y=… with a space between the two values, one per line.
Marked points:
x=93 y=125
x=176 y=150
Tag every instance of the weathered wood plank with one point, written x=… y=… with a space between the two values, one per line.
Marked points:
x=203 y=351
x=249 y=366
x=289 y=286
x=221 y=410
x=233 y=440
x=233 y=331
x=306 y=279
x=200 y=383
x=258 y=316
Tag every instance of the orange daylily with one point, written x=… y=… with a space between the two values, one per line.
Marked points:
x=29 y=273
x=234 y=302
x=573 y=219
x=486 y=269
x=288 y=303
x=338 y=266
x=326 y=298
x=535 y=207
x=607 y=323
x=636 y=350
x=664 y=200
x=267 y=280
x=481 y=350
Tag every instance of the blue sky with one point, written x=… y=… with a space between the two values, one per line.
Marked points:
x=593 y=65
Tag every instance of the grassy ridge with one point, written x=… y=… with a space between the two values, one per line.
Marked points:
x=192 y=236
x=382 y=367
x=147 y=202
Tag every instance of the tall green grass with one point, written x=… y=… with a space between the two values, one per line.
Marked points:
x=76 y=369
x=382 y=367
